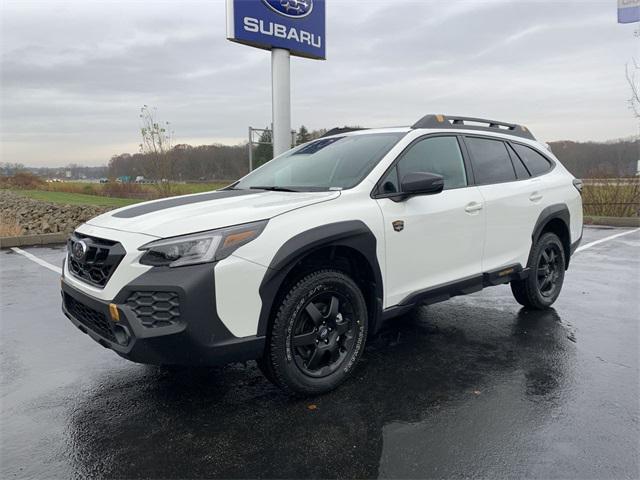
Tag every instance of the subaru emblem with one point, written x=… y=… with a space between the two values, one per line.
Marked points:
x=398 y=225
x=79 y=249
x=290 y=8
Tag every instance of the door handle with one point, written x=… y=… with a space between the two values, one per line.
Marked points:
x=535 y=197
x=473 y=207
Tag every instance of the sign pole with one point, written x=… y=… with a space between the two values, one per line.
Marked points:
x=250 y=149
x=281 y=100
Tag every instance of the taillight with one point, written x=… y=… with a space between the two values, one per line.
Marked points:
x=578 y=184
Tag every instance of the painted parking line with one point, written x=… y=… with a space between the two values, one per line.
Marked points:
x=39 y=261
x=605 y=239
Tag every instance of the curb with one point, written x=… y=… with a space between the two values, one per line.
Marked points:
x=612 y=221
x=31 y=240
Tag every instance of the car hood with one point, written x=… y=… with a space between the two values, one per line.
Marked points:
x=174 y=216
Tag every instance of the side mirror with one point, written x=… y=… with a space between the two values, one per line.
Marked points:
x=421 y=183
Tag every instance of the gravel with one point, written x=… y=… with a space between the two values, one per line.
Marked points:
x=36 y=217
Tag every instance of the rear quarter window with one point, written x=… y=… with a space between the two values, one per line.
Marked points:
x=535 y=162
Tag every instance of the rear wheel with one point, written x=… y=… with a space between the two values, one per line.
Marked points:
x=318 y=334
x=546 y=274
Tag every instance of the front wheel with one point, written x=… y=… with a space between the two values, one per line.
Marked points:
x=318 y=334
x=546 y=274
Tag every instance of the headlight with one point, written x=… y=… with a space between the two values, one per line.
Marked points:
x=200 y=247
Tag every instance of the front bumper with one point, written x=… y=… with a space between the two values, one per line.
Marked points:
x=194 y=335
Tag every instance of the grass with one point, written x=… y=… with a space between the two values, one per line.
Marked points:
x=129 y=190
x=77 y=198
x=71 y=193
x=186 y=188
x=612 y=198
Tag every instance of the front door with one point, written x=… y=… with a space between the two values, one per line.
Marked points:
x=435 y=239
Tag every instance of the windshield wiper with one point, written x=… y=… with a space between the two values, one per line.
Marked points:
x=274 y=189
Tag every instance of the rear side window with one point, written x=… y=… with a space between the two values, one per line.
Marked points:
x=439 y=155
x=490 y=160
x=535 y=162
x=518 y=166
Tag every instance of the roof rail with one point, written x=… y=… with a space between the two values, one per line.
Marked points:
x=339 y=130
x=470 y=123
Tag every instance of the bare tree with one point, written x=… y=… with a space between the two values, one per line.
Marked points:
x=157 y=139
x=633 y=77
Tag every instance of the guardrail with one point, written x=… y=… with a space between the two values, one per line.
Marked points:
x=612 y=181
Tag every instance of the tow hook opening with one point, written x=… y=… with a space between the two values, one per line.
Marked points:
x=122 y=335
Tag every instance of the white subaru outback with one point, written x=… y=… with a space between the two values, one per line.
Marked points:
x=297 y=263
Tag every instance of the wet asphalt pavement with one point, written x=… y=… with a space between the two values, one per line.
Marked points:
x=474 y=387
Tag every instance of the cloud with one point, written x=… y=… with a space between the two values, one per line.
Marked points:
x=74 y=73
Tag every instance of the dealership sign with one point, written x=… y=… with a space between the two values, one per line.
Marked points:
x=294 y=25
x=628 y=11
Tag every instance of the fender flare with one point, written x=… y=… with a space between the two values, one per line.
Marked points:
x=558 y=210
x=354 y=234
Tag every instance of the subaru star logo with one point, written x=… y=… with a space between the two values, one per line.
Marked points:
x=290 y=8
x=79 y=250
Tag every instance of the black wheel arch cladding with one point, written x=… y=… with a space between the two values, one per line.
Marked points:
x=353 y=234
x=555 y=213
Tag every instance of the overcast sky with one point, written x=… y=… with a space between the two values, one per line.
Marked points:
x=76 y=72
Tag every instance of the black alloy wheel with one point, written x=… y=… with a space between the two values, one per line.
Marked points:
x=323 y=334
x=317 y=335
x=546 y=274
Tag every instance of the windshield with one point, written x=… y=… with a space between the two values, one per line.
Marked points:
x=327 y=163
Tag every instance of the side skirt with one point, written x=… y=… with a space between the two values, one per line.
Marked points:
x=465 y=286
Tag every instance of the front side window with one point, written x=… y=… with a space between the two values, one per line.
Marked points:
x=389 y=183
x=439 y=155
x=535 y=162
x=327 y=163
x=491 y=161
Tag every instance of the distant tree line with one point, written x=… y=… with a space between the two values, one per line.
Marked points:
x=222 y=162
x=594 y=160
x=71 y=171
x=187 y=163
x=201 y=163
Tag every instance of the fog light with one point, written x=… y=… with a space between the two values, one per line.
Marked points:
x=114 y=312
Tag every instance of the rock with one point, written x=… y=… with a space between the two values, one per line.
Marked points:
x=37 y=217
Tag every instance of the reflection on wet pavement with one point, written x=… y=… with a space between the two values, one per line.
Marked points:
x=415 y=378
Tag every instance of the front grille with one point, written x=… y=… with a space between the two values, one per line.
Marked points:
x=95 y=261
x=155 y=309
x=89 y=317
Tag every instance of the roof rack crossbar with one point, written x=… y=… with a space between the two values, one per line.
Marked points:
x=470 y=123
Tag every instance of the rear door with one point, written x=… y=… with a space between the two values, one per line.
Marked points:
x=513 y=201
x=431 y=239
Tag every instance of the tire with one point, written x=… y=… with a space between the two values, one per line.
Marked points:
x=546 y=265
x=318 y=334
